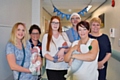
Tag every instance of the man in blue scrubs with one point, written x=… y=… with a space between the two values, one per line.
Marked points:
x=72 y=33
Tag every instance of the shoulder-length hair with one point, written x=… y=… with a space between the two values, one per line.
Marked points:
x=95 y=19
x=13 y=34
x=49 y=39
x=83 y=24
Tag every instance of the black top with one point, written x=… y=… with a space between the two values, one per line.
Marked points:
x=39 y=45
x=104 y=45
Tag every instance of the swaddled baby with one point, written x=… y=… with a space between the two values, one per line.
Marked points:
x=76 y=64
x=64 y=45
x=34 y=63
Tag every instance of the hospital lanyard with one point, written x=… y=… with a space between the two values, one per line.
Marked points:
x=73 y=34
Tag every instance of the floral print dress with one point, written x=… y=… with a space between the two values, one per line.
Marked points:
x=11 y=49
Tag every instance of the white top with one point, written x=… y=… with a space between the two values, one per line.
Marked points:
x=88 y=70
x=53 y=50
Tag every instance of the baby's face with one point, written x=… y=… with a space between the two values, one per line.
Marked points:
x=34 y=50
x=64 y=44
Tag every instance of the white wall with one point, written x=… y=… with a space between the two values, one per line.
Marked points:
x=5 y=71
x=11 y=11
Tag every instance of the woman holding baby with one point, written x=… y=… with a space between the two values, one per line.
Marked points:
x=52 y=44
x=18 y=53
x=88 y=69
x=35 y=33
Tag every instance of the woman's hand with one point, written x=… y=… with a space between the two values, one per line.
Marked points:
x=61 y=54
x=74 y=48
x=60 y=59
x=100 y=65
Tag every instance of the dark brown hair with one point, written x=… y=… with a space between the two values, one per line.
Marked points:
x=34 y=26
x=83 y=24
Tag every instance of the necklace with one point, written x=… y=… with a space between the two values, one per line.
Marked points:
x=80 y=42
x=84 y=41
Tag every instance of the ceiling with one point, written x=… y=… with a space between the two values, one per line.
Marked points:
x=74 y=5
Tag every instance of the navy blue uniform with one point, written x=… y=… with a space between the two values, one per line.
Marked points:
x=104 y=47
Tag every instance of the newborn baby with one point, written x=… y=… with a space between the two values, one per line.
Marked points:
x=64 y=45
x=76 y=64
x=34 y=63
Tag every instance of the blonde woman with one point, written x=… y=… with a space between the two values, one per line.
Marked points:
x=104 y=46
x=18 y=53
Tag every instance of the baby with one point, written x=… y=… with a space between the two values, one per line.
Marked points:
x=34 y=63
x=76 y=64
x=64 y=45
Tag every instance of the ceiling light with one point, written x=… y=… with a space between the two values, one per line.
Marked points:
x=88 y=8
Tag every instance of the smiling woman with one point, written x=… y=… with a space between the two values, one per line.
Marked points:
x=104 y=47
x=56 y=68
x=89 y=55
x=35 y=33
x=18 y=53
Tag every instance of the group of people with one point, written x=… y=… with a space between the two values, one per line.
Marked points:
x=19 y=52
x=61 y=44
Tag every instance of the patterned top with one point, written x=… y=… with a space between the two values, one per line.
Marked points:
x=11 y=49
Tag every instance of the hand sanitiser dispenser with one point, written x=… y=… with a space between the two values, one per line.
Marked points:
x=112 y=32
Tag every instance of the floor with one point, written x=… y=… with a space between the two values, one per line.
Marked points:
x=113 y=72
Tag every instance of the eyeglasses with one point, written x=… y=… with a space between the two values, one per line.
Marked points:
x=35 y=33
x=55 y=23
x=77 y=18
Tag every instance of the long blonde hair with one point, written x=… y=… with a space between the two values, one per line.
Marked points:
x=13 y=32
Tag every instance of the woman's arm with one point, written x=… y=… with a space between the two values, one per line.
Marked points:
x=49 y=57
x=12 y=63
x=67 y=57
x=101 y=63
x=74 y=46
x=44 y=50
x=107 y=57
x=108 y=54
x=91 y=55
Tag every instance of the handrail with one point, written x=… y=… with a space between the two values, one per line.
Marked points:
x=116 y=55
